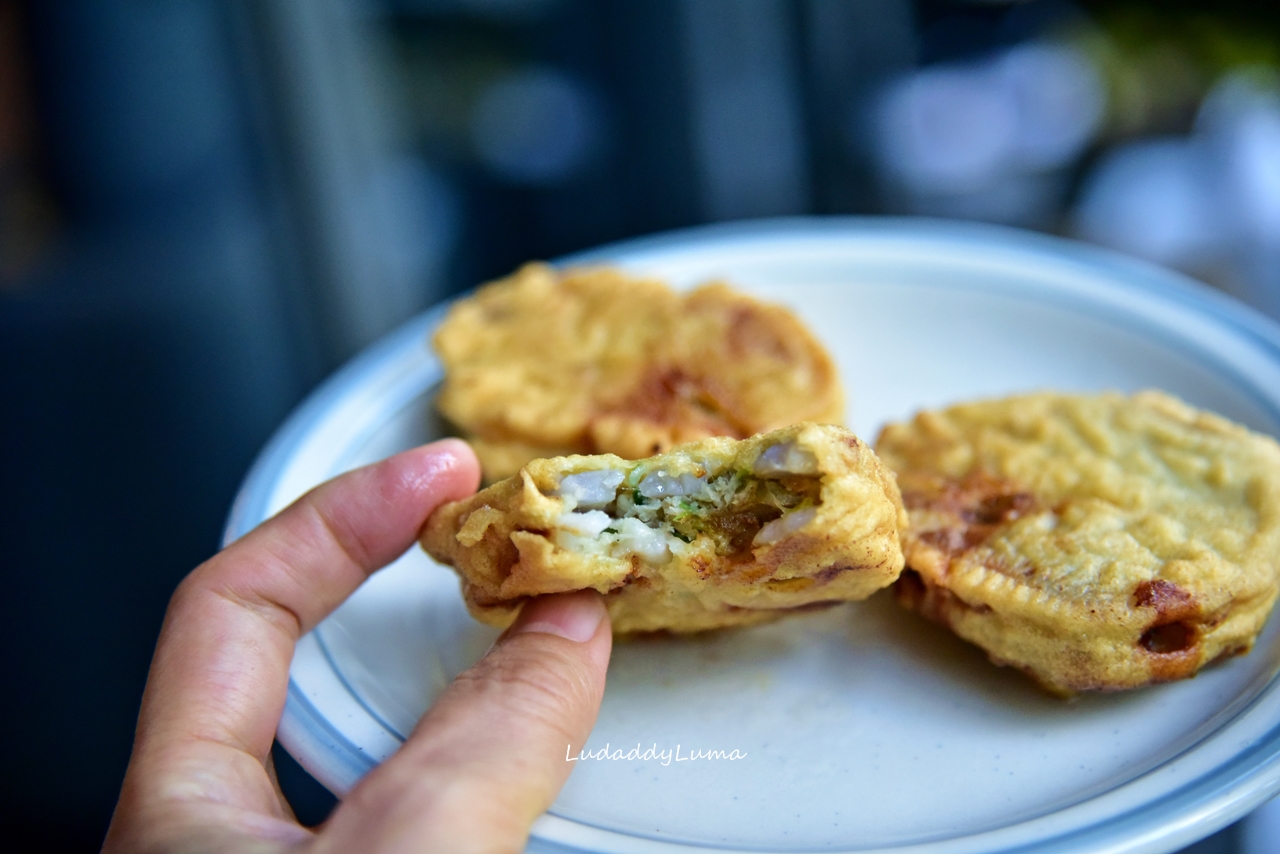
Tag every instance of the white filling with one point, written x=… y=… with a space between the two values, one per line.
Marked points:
x=635 y=537
x=595 y=532
x=784 y=526
x=593 y=490
x=580 y=532
x=787 y=458
x=659 y=484
x=589 y=524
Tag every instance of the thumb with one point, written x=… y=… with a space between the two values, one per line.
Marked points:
x=489 y=756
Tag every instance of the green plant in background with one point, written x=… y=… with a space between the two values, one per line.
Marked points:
x=1158 y=63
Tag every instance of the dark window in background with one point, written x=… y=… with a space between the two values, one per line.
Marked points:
x=148 y=345
x=554 y=128
x=206 y=206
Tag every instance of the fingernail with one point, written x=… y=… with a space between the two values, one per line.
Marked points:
x=575 y=616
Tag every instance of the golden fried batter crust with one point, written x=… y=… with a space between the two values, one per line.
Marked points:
x=1097 y=542
x=583 y=361
x=763 y=541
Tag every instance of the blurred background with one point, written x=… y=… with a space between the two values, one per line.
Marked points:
x=206 y=206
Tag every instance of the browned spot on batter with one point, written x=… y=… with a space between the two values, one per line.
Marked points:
x=830 y=573
x=971 y=509
x=1000 y=508
x=1170 y=601
x=954 y=540
x=1173 y=635
x=632 y=576
x=700 y=565
x=750 y=332
x=671 y=395
x=783 y=551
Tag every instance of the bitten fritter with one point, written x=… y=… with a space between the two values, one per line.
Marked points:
x=589 y=361
x=715 y=533
x=1097 y=542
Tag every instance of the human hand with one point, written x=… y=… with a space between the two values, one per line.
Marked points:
x=482 y=764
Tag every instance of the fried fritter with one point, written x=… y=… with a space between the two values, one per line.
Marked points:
x=1097 y=542
x=586 y=361
x=715 y=533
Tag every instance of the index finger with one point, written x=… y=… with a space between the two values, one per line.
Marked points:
x=220 y=671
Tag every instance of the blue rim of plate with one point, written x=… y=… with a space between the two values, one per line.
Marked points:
x=1202 y=806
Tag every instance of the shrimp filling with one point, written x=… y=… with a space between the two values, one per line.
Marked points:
x=652 y=512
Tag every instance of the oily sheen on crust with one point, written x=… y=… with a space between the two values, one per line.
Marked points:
x=554 y=362
x=1097 y=542
x=716 y=533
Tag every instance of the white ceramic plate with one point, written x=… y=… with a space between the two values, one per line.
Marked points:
x=862 y=728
